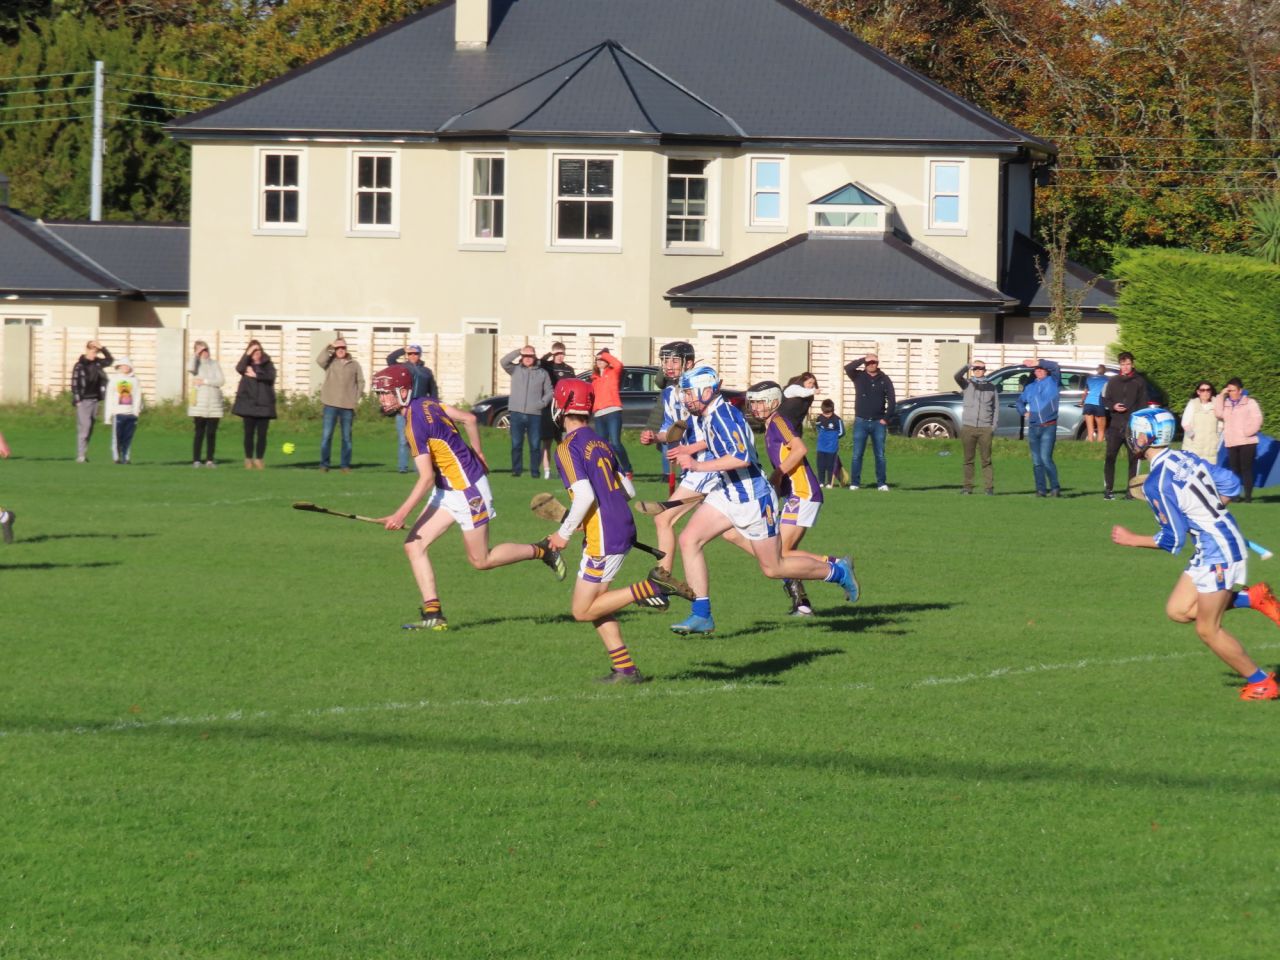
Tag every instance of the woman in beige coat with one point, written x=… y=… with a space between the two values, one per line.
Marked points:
x=205 y=406
x=1201 y=428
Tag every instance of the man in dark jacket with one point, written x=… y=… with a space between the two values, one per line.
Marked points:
x=88 y=389
x=977 y=422
x=553 y=362
x=424 y=385
x=872 y=407
x=1125 y=393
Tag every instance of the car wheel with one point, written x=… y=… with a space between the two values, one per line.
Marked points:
x=934 y=428
x=503 y=420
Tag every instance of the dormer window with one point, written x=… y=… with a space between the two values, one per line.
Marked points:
x=850 y=209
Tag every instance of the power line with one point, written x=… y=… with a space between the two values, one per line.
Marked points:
x=18 y=93
x=144 y=106
x=161 y=93
x=46 y=106
x=146 y=123
x=45 y=76
x=203 y=83
x=14 y=123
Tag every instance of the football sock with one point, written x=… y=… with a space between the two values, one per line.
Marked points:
x=1241 y=599
x=1257 y=677
x=644 y=590
x=833 y=571
x=702 y=607
x=430 y=608
x=622 y=662
x=539 y=551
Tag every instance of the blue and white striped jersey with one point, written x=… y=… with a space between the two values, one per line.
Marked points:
x=1183 y=492
x=724 y=430
x=673 y=408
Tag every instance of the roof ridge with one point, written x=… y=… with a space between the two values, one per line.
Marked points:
x=121 y=281
x=946 y=263
x=667 y=78
x=36 y=232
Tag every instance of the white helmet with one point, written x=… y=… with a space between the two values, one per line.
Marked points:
x=699 y=379
x=766 y=391
x=1152 y=427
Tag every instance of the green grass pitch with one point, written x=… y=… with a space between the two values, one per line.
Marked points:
x=217 y=742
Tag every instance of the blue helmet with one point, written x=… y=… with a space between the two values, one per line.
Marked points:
x=699 y=379
x=1152 y=427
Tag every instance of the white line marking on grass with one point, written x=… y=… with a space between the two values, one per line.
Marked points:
x=409 y=706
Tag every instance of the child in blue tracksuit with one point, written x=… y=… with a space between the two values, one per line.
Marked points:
x=1038 y=402
x=830 y=430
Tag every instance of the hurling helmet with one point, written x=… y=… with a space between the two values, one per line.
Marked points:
x=1152 y=427
x=572 y=396
x=699 y=379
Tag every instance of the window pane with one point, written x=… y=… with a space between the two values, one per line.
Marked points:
x=600 y=178
x=383 y=165
x=498 y=225
x=946 y=210
x=697 y=188
x=693 y=231
x=480 y=176
x=572 y=178
x=768 y=206
x=697 y=208
x=675 y=231
x=484 y=219
x=570 y=220
x=271 y=174
x=768 y=175
x=383 y=208
x=867 y=219
x=600 y=221
x=497 y=176
x=697 y=167
x=290 y=207
x=272 y=214
x=290 y=170
x=946 y=178
x=364 y=172
x=364 y=208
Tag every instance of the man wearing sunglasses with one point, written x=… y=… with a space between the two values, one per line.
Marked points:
x=977 y=422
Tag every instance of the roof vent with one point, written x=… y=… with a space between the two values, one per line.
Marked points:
x=471 y=24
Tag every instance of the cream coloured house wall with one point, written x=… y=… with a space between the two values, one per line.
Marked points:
x=426 y=275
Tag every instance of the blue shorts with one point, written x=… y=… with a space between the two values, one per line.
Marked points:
x=1094 y=410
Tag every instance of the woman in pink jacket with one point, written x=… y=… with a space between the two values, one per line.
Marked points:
x=1241 y=418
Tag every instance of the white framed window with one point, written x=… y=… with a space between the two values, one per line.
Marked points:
x=481 y=325
x=849 y=209
x=484 y=218
x=586 y=213
x=375 y=189
x=948 y=201
x=767 y=196
x=282 y=199
x=692 y=210
x=24 y=320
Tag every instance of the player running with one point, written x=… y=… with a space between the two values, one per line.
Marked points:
x=742 y=501
x=599 y=492
x=1188 y=495
x=794 y=482
x=455 y=475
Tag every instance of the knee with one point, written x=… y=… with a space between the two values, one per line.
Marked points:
x=1179 y=615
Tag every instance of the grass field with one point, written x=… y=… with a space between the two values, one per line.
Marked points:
x=217 y=742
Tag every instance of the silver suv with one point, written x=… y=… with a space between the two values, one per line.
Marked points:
x=937 y=415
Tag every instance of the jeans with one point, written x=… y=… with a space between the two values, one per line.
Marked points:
x=122 y=430
x=344 y=416
x=522 y=425
x=403 y=457
x=863 y=428
x=1040 y=441
x=609 y=426
x=977 y=440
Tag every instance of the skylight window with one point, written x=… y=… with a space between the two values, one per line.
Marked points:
x=848 y=209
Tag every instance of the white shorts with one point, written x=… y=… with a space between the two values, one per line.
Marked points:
x=600 y=569
x=470 y=508
x=700 y=482
x=799 y=513
x=755 y=519
x=1212 y=577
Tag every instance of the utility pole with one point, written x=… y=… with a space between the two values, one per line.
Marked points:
x=95 y=176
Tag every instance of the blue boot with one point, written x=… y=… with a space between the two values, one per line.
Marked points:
x=694 y=624
x=847 y=580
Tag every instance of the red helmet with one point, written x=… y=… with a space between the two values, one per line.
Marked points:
x=572 y=396
x=395 y=382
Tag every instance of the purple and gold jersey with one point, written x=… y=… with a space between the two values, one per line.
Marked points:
x=802 y=482
x=608 y=526
x=432 y=431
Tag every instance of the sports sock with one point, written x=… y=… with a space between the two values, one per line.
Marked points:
x=431 y=608
x=702 y=607
x=833 y=571
x=1258 y=676
x=622 y=662
x=1241 y=599
x=643 y=591
x=539 y=551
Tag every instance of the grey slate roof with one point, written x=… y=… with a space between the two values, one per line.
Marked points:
x=780 y=72
x=878 y=271
x=91 y=260
x=1024 y=282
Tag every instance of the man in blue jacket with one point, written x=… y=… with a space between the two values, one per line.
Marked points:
x=1038 y=403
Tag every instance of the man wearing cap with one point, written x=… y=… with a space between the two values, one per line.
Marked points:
x=530 y=392
x=88 y=390
x=977 y=422
x=340 y=393
x=1038 y=403
x=872 y=407
x=424 y=385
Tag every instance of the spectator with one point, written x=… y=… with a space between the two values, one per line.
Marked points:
x=124 y=404
x=1241 y=418
x=607 y=383
x=872 y=407
x=530 y=392
x=977 y=422
x=830 y=429
x=6 y=516
x=1125 y=393
x=424 y=385
x=340 y=393
x=797 y=400
x=1038 y=403
x=205 y=408
x=255 y=402
x=552 y=433
x=88 y=389
x=1095 y=414
x=1201 y=428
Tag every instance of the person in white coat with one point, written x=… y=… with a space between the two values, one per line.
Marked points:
x=1201 y=428
x=204 y=405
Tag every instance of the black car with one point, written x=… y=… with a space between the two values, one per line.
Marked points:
x=639 y=391
x=937 y=415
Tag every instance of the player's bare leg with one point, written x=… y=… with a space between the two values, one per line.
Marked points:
x=1188 y=605
x=665 y=525
x=705 y=525
x=482 y=557
x=431 y=523
x=773 y=564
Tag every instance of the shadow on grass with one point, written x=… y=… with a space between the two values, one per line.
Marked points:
x=48 y=537
x=58 y=566
x=870 y=617
x=720 y=672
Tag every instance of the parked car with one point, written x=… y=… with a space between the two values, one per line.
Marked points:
x=937 y=415
x=639 y=391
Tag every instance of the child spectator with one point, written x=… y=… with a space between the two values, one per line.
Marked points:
x=830 y=430
x=124 y=403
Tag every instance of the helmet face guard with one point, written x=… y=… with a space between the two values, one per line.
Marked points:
x=768 y=394
x=674 y=357
x=1152 y=427
x=699 y=387
x=572 y=396
x=394 y=387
